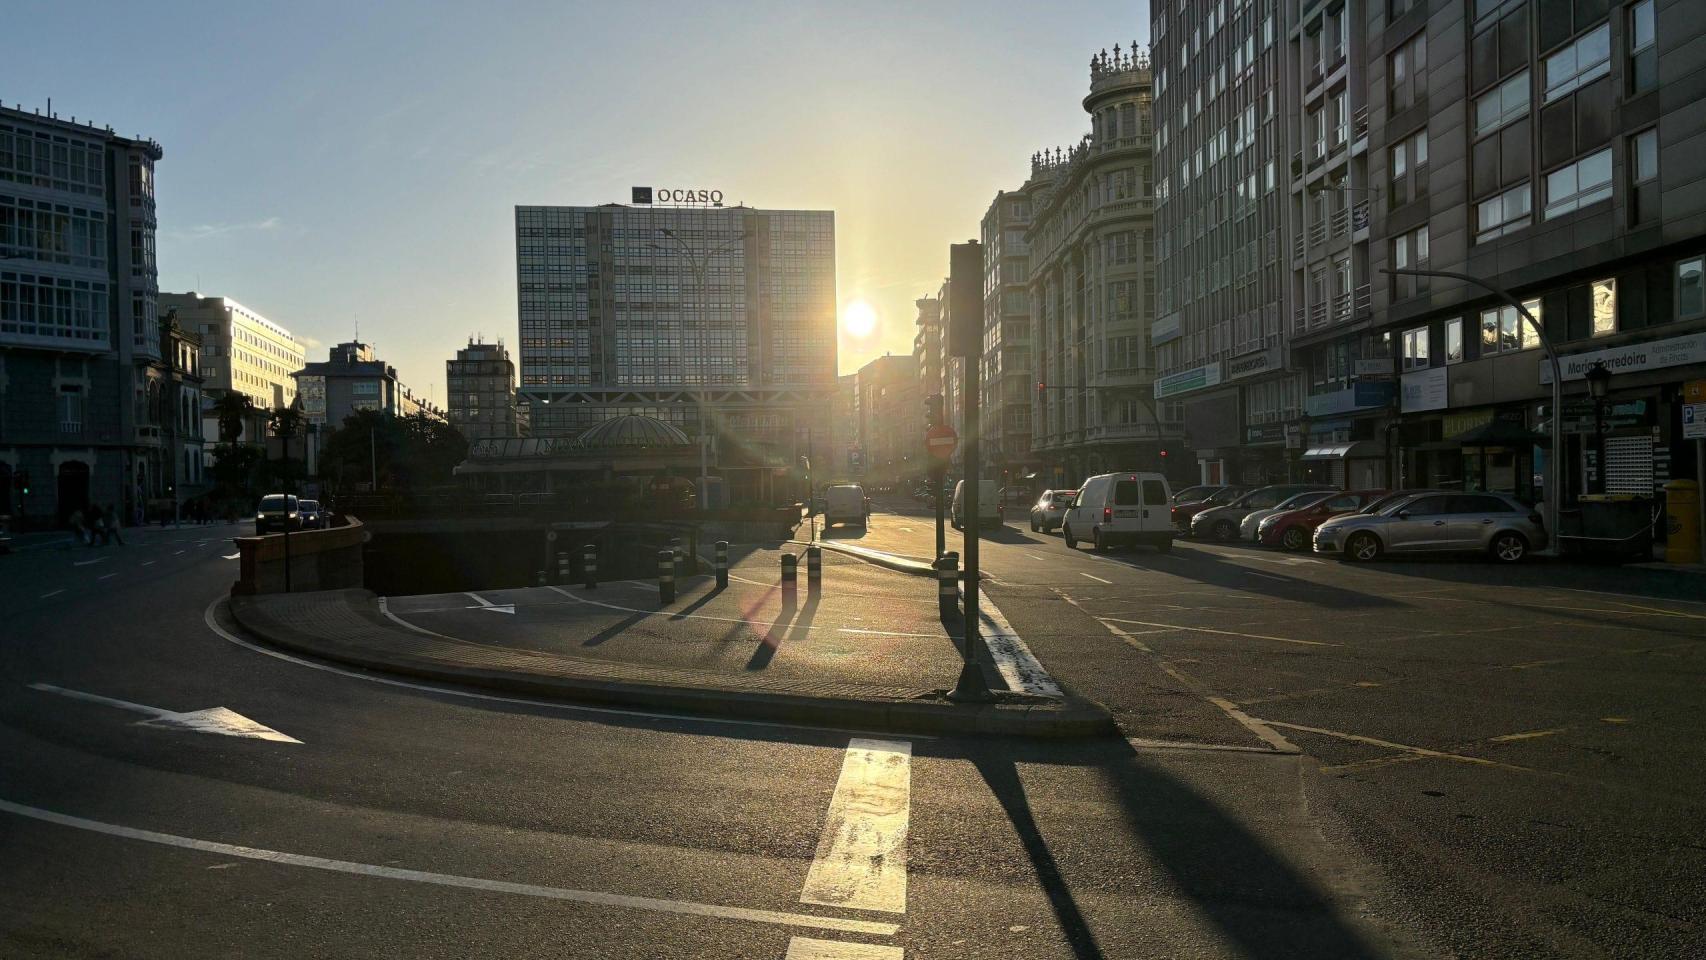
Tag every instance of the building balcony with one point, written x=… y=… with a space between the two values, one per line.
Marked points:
x=1359 y=125
x=1362 y=302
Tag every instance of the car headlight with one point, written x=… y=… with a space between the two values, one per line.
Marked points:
x=1267 y=523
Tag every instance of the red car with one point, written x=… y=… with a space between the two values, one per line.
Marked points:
x=1183 y=512
x=1294 y=528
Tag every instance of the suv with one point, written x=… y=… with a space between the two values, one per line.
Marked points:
x=1121 y=508
x=278 y=512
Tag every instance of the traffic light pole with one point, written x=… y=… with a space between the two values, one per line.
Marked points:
x=938 y=480
x=971 y=687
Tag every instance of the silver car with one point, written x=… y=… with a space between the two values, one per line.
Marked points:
x=1247 y=530
x=1491 y=523
x=1049 y=512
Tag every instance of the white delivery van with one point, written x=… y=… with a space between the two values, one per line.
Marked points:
x=845 y=503
x=990 y=512
x=1121 y=508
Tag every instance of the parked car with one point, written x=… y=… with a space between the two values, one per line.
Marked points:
x=1253 y=520
x=1380 y=504
x=312 y=518
x=1292 y=529
x=845 y=503
x=1050 y=509
x=1183 y=511
x=1221 y=523
x=278 y=512
x=1120 y=508
x=1196 y=493
x=1491 y=523
x=989 y=507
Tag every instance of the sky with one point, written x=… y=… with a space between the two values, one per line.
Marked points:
x=335 y=165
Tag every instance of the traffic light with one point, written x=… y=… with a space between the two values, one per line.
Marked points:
x=1163 y=454
x=933 y=410
x=1041 y=386
x=21 y=480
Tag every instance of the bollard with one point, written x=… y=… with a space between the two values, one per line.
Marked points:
x=666 y=576
x=540 y=579
x=722 y=564
x=790 y=573
x=564 y=573
x=947 y=584
x=814 y=570
x=675 y=548
x=589 y=566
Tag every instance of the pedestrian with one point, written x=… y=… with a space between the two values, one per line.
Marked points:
x=77 y=528
x=112 y=528
x=97 y=526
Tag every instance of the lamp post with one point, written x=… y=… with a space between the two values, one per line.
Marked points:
x=1555 y=475
x=1599 y=383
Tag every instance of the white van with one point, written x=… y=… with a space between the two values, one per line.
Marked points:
x=845 y=503
x=990 y=512
x=1121 y=508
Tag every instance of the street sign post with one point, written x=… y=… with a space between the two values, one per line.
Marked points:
x=940 y=441
x=965 y=325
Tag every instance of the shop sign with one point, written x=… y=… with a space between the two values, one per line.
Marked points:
x=1265 y=433
x=1195 y=378
x=1358 y=396
x=1367 y=368
x=1164 y=330
x=676 y=195
x=1250 y=364
x=1617 y=415
x=1632 y=358
x=1694 y=421
x=1458 y=424
x=1694 y=391
x=1424 y=390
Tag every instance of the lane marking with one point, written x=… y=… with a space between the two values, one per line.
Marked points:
x=179 y=553
x=226 y=635
x=1260 y=728
x=1288 y=561
x=217 y=720
x=1266 y=576
x=1228 y=633
x=593 y=897
x=861 y=856
x=1012 y=658
x=482 y=601
x=1400 y=747
x=1530 y=735
x=84 y=563
x=805 y=948
x=1035 y=557
x=385 y=608
x=229 y=556
x=51 y=593
x=148 y=563
x=106 y=576
x=1095 y=578
x=1141 y=743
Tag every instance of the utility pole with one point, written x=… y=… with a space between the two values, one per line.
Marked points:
x=965 y=334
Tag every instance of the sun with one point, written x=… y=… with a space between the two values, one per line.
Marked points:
x=859 y=320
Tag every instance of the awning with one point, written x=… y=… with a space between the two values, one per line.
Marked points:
x=1501 y=433
x=1346 y=451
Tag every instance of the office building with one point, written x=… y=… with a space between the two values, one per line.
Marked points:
x=1557 y=151
x=1092 y=269
x=480 y=384
x=1009 y=363
x=352 y=378
x=79 y=325
x=241 y=352
x=720 y=321
x=889 y=411
x=844 y=459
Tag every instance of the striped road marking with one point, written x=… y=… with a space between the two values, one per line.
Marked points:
x=805 y=948
x=1012 y=658
x=450 y=880
x=861 y=857
x=1094 y=577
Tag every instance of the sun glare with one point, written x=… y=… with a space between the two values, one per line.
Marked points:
x=859 y=320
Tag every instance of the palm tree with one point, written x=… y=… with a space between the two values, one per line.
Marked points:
x=234 y=409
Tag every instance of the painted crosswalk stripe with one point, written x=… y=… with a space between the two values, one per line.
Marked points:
x=806 y=948
x=861 y=857
x=592 y=897
x=1094 y=577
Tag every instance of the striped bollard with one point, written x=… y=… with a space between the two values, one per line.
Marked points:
x=947 y=584
x=666 y=576
x=790 y=575
x=539 y=578
x=675 y=548
x=722 y=558
x=564 y=573
x=814 y=570
x=589 y=566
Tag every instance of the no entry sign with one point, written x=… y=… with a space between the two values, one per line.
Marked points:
x=941 y=442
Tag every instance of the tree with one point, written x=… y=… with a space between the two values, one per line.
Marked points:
x=234 y=409
x=396 y=453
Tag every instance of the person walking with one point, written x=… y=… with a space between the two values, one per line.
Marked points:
x=77 y=527
x=113 y=524
x=97 y=526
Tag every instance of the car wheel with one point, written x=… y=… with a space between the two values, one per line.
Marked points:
x=1066 y=533
x=1164 y=545
x=1509 y=547
x=1096 y=542
x=1225 y=530
x=1362 y=547
x=1293 y=539
x=1035 y=526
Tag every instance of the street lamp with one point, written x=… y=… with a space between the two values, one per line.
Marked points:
x=1599 y=383
x=1554 y=467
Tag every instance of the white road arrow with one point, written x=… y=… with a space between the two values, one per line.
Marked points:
x=481 y=603
x=212 y=720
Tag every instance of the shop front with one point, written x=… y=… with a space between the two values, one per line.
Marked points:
x=1488 y=449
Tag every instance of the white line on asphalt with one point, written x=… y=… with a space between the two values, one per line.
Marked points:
x=52 y=593
x=229 y=637
x=106 y=576
x=148 y=563
x=84 y=563
x=1402 y=747
x=231 y=556
x=861 y=856
x=385 y=608
x=805 y=948
x=593 y=897
x=482 y=601
x=1258 y=727
x=1288 y=561
x=1035 y=557
x=1141 y=743
x=218 y=720
x=1265 y=576
x=886 y=633
x=178 y=553
x=1095 y=578
x=1013 y=659
x=1227 y=633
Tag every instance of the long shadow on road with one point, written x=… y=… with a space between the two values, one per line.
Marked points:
x=1210 y=569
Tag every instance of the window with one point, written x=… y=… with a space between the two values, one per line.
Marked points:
x=1409 y=169
x=70 y=409
x=1410 y=252
x=1416 y=349
x=1690 y=292
x=1502 y=104
x=1643 y=53
x=1406 y=71
x=1604 y=307
x=1644 y=175
x=1587 y=58
x=1503 y=330
x=1454 y=340
x=1508 y=212
x=1585 y=182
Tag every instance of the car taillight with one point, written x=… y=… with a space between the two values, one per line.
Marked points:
x=1107 y=514
x=1535 y=519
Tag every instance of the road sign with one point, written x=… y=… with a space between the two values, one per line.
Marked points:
x=1694 y=421
x=941 y=441
x=1694 y=391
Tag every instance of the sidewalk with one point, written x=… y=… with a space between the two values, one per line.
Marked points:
x=869 y=652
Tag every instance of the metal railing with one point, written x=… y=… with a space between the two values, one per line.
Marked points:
x=1361 y=300
x=1359 y=123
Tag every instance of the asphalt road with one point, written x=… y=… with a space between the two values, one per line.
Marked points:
x=1513 y=755
x=373 y=817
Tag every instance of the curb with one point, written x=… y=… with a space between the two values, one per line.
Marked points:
x=918 y=568
x=1076 y=718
